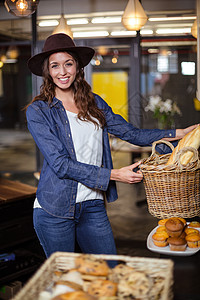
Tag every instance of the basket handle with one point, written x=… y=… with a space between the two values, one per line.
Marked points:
x=195 y=157
x=160 y=142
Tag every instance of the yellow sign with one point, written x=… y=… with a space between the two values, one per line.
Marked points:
x=113 y=88
x=196 y=104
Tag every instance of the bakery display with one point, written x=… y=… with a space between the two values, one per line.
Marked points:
x=119 y=283
x=176 y=237
x=192 y=139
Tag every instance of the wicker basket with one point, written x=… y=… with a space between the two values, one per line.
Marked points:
x=172 y=190
x=160 y=271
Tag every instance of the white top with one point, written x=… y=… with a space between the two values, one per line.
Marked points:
x=88 y=145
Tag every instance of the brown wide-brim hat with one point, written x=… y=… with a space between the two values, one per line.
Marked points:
x=57 y=43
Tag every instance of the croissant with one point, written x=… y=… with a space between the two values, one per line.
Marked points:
x=191 y=139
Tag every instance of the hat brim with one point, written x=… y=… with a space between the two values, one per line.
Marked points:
x=84 y=55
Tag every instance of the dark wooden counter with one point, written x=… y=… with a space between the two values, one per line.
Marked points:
x=15 y=190
x=17 y=233
x=16 y=210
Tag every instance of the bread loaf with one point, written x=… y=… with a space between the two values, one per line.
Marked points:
x=192 y=139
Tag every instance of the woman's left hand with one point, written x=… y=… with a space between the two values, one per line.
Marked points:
x=180 y=133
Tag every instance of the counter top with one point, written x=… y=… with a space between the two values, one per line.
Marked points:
x=14 y=190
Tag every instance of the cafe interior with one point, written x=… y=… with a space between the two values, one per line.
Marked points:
x=152 y=59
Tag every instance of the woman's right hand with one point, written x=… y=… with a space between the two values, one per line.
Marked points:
x=126 y=174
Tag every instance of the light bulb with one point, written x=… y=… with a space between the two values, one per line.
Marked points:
x=194 y=29
x=21 y=5
x=3 y=58
x=134 y=16
x=12 y=52
x=97 y=62
x=114 y=60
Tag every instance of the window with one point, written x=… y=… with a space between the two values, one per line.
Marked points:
x=188 y=68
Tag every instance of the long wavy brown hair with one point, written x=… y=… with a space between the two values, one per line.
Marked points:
x=83 y=96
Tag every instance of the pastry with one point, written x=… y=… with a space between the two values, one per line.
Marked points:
x=189 y=230
x=183 y=235
x=194 y=224
x=89 y=265
x=62 y=287
x=162 y=221
x=72 y=276
x=161 y=229
x=177 y=243
x=135 y=286
x=160 y=239
x=183 y=220
x=191 y=139
x=78 y=295
x=174 y=227
x=193 y=240
x=119 y=271
x=99 y=288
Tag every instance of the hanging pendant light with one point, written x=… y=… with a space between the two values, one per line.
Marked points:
x=62 y=27
x=21 y=8
x=194 y=29
x=12 y=52
x=134 y=16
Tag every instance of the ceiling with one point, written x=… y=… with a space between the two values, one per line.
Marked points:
x=21 y=28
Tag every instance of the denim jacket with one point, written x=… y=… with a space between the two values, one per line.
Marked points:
x=61 y=172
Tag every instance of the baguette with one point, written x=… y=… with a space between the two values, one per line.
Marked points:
x=191 y=139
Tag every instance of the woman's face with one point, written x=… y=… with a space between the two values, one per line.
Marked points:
x=62 y=68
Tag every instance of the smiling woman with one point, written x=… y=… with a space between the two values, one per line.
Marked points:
x=70 y=125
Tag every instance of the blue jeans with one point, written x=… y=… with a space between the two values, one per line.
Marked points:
x=90 y=228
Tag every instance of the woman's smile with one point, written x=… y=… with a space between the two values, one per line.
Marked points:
x=64 y=80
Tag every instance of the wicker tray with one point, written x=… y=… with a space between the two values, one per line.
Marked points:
x=172 y=190
x=160 y=270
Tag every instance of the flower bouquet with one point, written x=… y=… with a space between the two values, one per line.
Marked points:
x=163 y=111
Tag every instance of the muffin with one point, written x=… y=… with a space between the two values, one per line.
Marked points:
x=88 y=265
x=189 y=230
x=193 y=240
x=160 y=239
x=174 y=227
x=162 y=222
x=194 y=224
x=161 y=229
x=102 y=288
x=183 y=220
x=177 y=243
x=183 y=235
